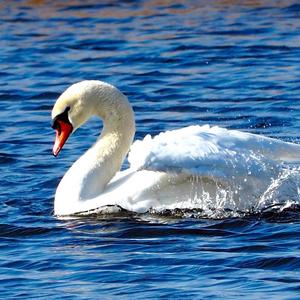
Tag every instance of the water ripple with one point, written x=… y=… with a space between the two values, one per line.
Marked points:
x=229 y=64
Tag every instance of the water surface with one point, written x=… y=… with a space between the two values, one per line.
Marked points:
x=180 y=63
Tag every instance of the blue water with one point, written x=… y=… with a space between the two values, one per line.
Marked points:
x=227 y=63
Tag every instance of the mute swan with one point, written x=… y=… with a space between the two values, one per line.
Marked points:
x=176 y=169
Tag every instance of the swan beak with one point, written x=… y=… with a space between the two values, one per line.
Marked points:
x=63 y=131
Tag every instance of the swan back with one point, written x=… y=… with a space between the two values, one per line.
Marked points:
x=210 y=151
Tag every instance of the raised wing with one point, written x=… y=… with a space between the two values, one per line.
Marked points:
x=211 y=151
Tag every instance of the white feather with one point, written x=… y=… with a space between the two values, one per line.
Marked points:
x=192 y=167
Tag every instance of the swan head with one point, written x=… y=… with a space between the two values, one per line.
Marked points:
x=73 y=107
x=79 y=102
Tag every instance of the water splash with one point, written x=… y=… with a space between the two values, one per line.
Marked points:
x=283 y=190
x=216 y=200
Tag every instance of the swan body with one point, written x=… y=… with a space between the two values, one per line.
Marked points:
x=181 y=168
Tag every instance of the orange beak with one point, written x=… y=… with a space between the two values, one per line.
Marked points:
x=63 y=131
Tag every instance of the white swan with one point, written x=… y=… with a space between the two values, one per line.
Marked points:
x=176 y=169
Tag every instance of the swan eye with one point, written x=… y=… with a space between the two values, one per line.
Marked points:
x=61 y=117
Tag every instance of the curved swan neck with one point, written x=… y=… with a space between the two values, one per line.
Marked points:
x=89 y=175
x=110 y=149
x=117 y=116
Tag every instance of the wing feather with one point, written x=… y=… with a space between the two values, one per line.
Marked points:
x=210 y=151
